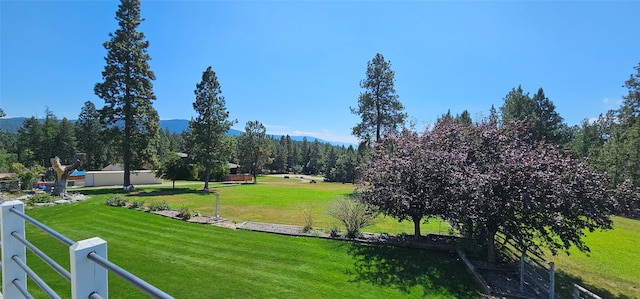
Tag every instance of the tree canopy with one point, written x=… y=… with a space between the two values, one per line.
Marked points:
x=407 y=177
x=379 y=109
x=544 y=122
x=486 y=180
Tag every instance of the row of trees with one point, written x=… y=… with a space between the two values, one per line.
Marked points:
x=126 y=129
x=611 y=143
x=38 y=140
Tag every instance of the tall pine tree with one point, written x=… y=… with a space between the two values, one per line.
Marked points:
x=128 y=91
x=378 y=106
x=207 y=142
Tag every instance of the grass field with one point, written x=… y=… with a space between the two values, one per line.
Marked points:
x=190 y=260
x=273 y=200
x=611 y=269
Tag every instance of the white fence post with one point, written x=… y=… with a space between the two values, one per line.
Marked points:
x=88 y=277
x=11 y=247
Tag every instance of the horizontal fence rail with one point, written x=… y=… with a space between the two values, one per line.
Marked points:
x=579 y=291
x=128 y=277
x=88 y=259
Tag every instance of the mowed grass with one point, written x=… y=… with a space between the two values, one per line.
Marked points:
x=272 y=200
x=611 y=269
x=190 y=260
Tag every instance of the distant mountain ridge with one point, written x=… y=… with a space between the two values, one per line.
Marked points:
x=173 y=125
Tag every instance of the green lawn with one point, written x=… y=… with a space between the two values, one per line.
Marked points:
x=198 y=261
x=190 y=260
x=272 y=200
x=611 y=269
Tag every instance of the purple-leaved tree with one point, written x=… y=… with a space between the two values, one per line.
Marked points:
x=485 y=179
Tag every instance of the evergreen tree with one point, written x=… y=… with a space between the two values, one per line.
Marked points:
x=314 y=158
x=587 y=141
x=305 y=152
x=330 y=164
x=207 y=142
x=517 y=106
x=543 y=121
x=49 y=131
x=493 y=116
x=127 y=90
x=630 y=110
x=346 y=166
x=253 y=148
x=378 y=106
x=280 y=155
x=464 y=118
x=89 y=133
x=65 y=141
x=628 y=116
x=547 y=123
x=30 y=137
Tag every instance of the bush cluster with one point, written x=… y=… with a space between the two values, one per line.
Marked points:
x=159 y=206
x=334 y=232
x=117 y=201
x=137 y=205
x=184 y=213
x=42 y=198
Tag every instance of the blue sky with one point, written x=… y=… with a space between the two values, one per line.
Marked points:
x=296 y=65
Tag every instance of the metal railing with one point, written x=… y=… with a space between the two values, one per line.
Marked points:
x=537 y=276
x=88 y=259
x=579 y=291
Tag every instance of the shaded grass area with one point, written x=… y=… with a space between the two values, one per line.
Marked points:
x=197 y=261
x=611 y=269
x=272 y=200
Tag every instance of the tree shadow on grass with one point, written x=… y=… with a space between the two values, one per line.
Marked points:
x=100 y=191
x=437 y=273
x=164 y=192
x=564 y=287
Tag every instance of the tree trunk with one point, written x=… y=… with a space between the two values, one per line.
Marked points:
x=60 y=186
x=255 y=179
x=206 y=180
x=491 y=246
x=127 y=110
x=416 y=227
x=127 y=176
x=378 y=119
x=62 y=174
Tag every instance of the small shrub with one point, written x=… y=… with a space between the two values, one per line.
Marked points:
x=117 y=201
x=334 y=232
x=196 y=214
x=353 y=214
x=42 y=198
x=307 y=213
x=137 y=204
x=159 y=206
x=184 y=213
